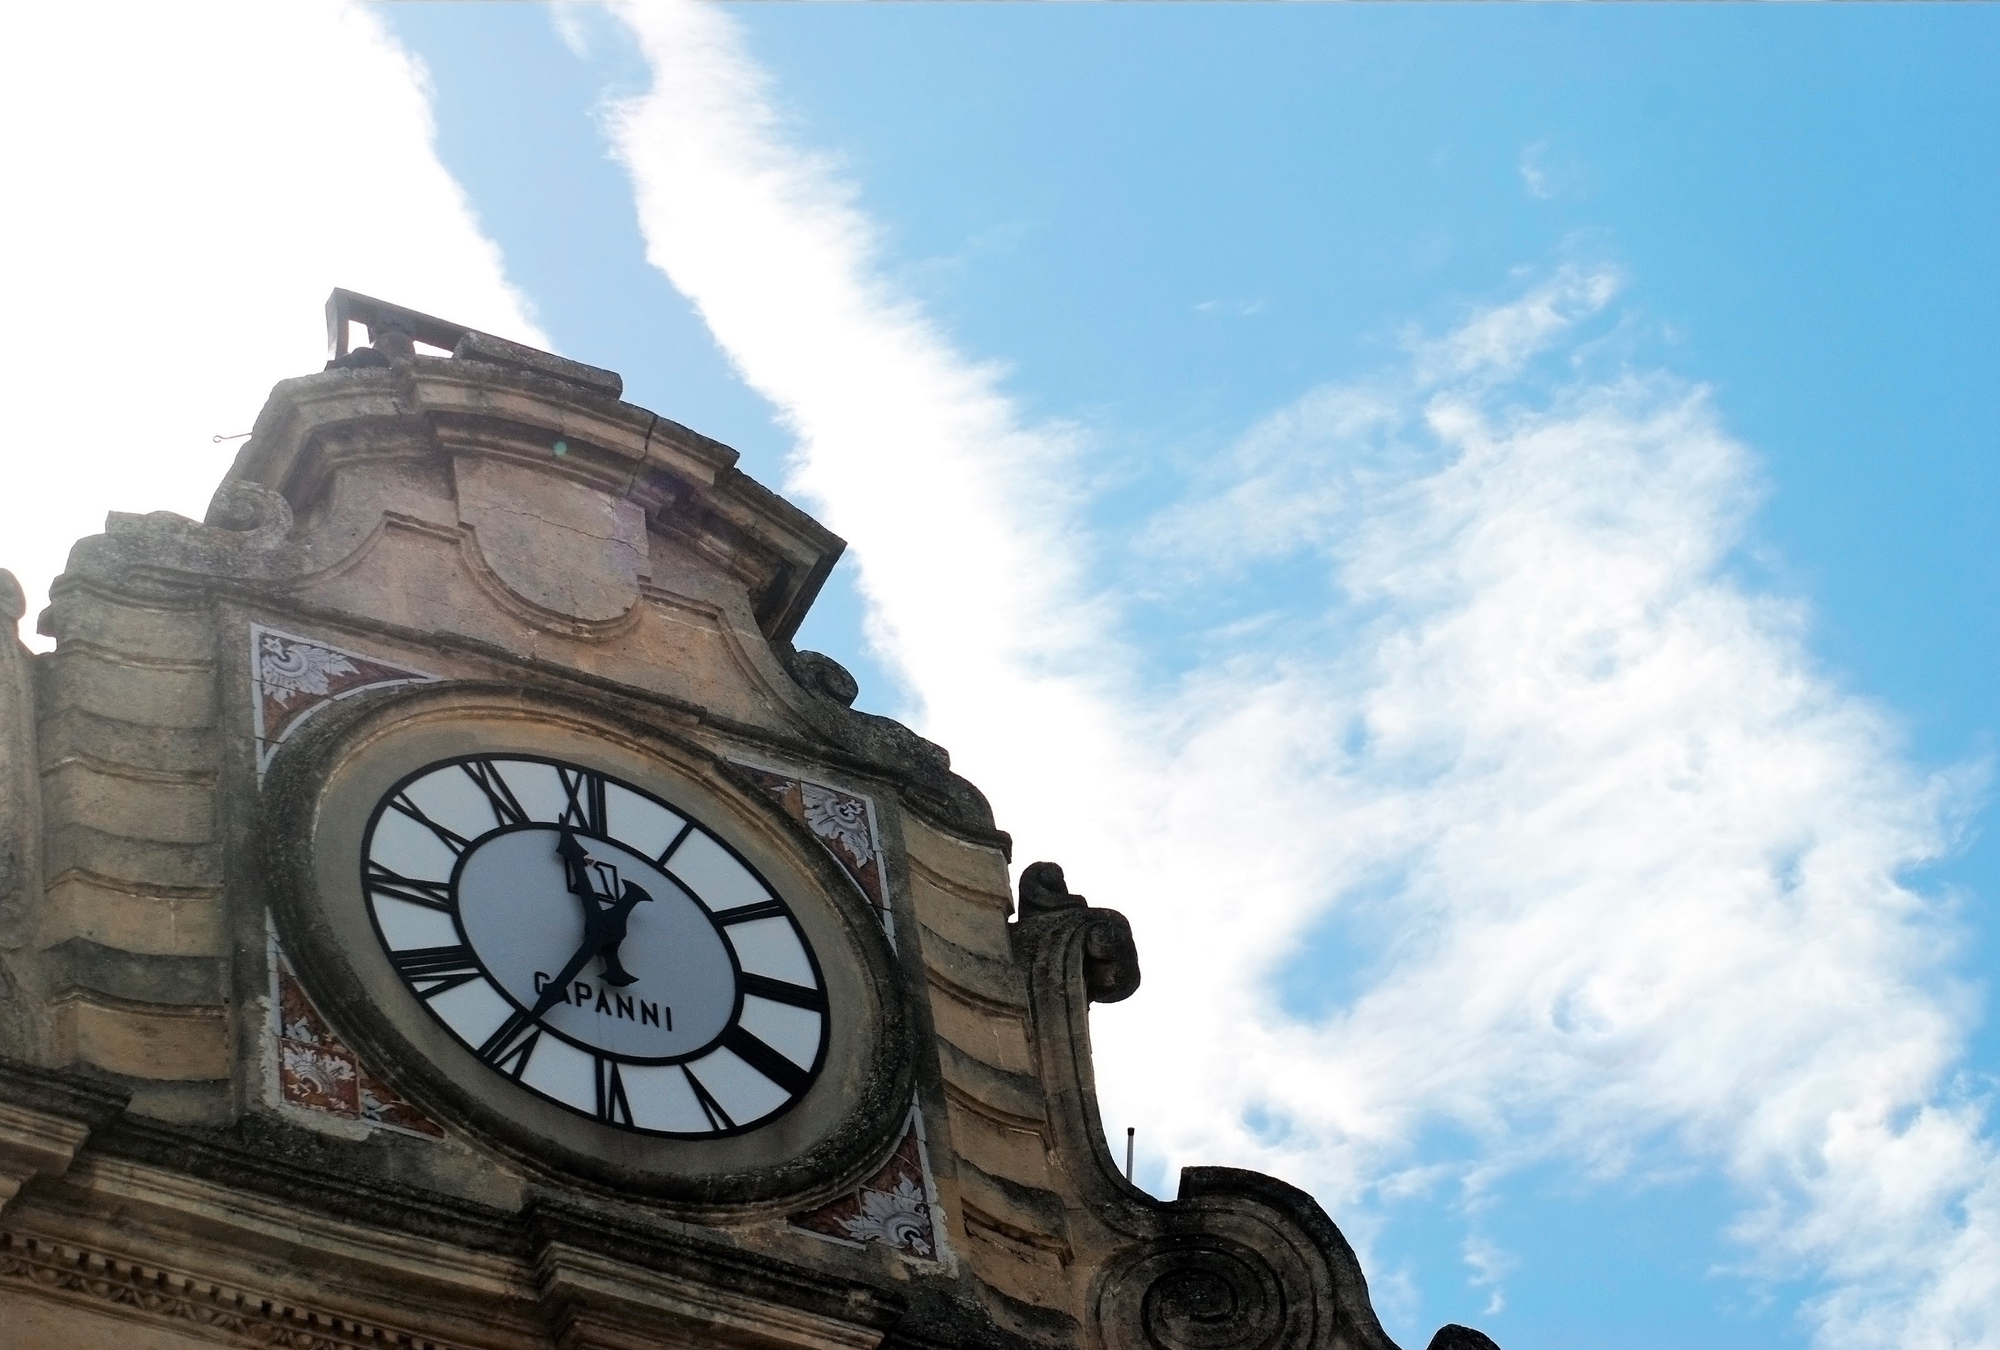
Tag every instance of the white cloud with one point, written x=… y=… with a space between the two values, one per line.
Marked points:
x=1535 y=176
x=1548 y=172
x=965 y=530
x=1622 y=869
x=189 y=181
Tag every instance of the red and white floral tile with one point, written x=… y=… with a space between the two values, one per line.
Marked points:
x=319 y=1074
x=896 y=1208
x=293 y=677
x=843 y=822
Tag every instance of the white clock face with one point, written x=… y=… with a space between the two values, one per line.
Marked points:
x=596 y=945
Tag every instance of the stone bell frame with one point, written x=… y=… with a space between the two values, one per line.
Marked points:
x=196 y=1147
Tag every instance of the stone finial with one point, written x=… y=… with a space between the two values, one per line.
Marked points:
x=13 y=600
x=823 y=675
x=394 y=337
x=1044 y=890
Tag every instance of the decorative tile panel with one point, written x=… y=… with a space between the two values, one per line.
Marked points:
x=844 y=822
x=896 y=1207
x=293 y=677
x=316 y=1072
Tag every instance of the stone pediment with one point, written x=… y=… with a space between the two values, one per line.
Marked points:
x=558 y=484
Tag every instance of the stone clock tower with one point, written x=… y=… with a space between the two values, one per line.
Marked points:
x=440 y=910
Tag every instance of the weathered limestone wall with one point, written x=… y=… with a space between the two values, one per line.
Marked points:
x=20 y=824
x=134 y=956
x=1009 y=1213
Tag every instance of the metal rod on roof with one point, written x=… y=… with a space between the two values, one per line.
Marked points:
x=1130 y=1131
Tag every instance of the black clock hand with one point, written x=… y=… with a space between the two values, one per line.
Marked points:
x=556 y=990
x=576 y=867
x=603 y=926
x=614 y=921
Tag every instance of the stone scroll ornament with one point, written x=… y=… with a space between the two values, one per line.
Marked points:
x=1239 y=1260
x=293 y=677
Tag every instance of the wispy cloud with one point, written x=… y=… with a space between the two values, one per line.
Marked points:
x=1535 y=176
x=965 y=527
x=1616 y=868
x=190 y=183
x=1643 y=861
x=1548 y=172
x=1489 y=1265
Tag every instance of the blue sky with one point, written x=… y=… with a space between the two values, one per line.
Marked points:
x=1470 y=524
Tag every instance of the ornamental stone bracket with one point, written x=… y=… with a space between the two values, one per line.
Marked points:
x=34 y=1144
x=45 y=1120
x=1239 y=1261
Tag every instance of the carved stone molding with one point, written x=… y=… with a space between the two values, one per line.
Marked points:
x=566 y=549
x=606 y=1287
x=45 y=1120
x=134 y=1289
x=1239 y=1261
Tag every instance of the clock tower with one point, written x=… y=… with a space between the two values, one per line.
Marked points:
x=441 y=910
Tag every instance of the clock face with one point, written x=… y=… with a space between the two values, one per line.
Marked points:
x=595 y=944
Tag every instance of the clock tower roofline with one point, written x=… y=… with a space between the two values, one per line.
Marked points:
x=506 y=403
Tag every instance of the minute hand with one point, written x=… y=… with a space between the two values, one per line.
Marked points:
x=554 y=990
x=595 y=940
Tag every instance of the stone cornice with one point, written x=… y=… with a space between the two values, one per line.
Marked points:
x=687 y=483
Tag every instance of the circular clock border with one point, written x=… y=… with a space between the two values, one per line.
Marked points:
x=316 y=806
x=481 y=961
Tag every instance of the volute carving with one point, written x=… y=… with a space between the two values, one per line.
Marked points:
x=1240 y=1260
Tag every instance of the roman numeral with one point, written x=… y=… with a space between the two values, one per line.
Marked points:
x=506 y=806
x=429 y=894
x=451 y=839
x=718 y=1119
x=612 y=1107
x=679 y=838
x=767 y=1061
x=585 y=791
x=430 y=971
x=745 y=913
x=511 y=1044
x=784 y=991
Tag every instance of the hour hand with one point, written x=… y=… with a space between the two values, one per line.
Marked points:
x=576 y=868
x=614 y=926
